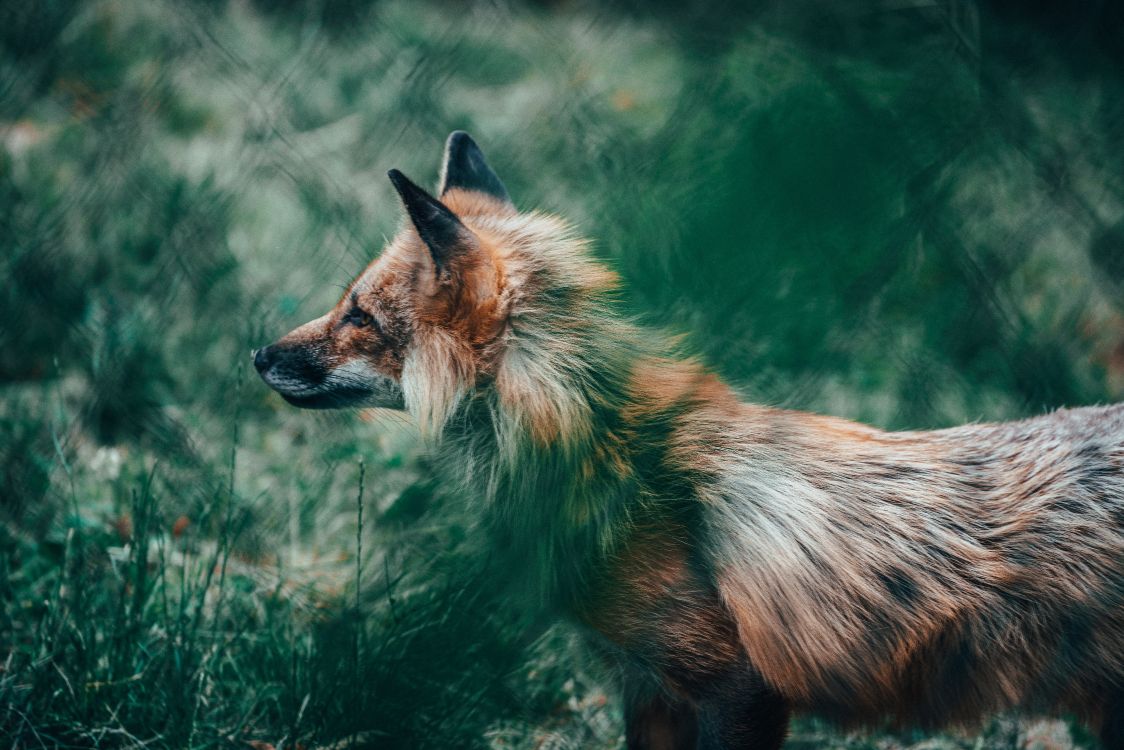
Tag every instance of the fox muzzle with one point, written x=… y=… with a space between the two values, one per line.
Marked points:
x=303 y=380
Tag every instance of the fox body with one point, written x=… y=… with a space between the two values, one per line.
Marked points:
x=734 y=562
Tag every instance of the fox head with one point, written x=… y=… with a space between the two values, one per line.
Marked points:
x=436 y=278
x=446 y=306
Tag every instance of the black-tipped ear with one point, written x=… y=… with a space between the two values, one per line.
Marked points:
x=465 y=167
x=440 y=229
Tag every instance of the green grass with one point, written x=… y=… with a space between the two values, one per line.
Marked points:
x=885 y=215
x=157 y=624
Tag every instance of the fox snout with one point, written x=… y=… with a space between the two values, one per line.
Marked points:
x=305 y=378
x=288 y=368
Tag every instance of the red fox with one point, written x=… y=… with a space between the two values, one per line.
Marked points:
x=735 y=563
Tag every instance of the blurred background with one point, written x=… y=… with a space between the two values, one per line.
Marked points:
x=907 y=212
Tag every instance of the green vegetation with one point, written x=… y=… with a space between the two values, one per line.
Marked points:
x=912 y=216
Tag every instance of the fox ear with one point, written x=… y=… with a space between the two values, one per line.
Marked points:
x=464 y=167
x=440 y=229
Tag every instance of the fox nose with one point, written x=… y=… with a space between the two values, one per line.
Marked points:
x=261 y=358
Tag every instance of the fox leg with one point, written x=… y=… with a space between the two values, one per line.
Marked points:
x=743 y=714
x=655 y=718
x=660 y=722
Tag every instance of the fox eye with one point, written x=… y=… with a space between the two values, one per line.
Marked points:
x=359 y=318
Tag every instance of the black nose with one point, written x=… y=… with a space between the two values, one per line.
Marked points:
x=262 y=359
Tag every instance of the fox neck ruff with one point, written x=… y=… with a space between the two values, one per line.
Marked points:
x=555 y=438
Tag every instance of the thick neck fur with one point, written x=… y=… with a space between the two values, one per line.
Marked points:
x=547 y=437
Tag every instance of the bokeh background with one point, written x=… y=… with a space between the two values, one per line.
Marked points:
x=908 y=212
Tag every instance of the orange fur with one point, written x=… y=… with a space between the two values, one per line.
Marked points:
x=735 y=561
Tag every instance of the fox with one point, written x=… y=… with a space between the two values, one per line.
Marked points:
x=733 y=563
